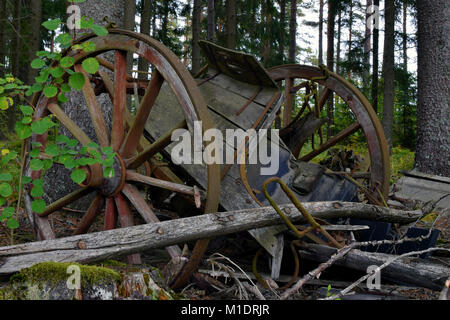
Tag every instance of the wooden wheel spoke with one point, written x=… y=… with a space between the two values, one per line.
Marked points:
x=120 y=99
x=109 y=85
x=126 y=220
x=69 y=124
x=333 y=141
x=154 y=148
x=146 y=212
x=93 y=211
x=136 y=130
x=324 y=97
x=176 y=187
x=94 y=109
x=64 y=201
x=289 y=101
x=110 y=214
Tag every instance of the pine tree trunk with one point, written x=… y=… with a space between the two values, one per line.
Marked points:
x=321 y=32
x=196 y=36
x=15 y=48
x=338 y=46
x=433 y=121
x=350 y=37
x=405 y=68
x=129 y=23
x=35 y=36
x=145 y=29
x=375 y=63
x=388 y=71
x=3 y=37
x=330 y=61
x=282 y=29
x=366 y=65
x=165 y=23
x=293 y=32
x=231 y=23
x=211 y=21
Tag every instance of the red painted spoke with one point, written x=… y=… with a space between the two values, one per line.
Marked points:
x=93 y=211
x=69 y=124
x=120 y=100
x=132 y=139
x=94 y=110
x=66 y=200
x=154 y=148
x=109 y=85
x=110 y=214
x=288 y=102
x=146 y=212
x=126 y=220
x=333 y=141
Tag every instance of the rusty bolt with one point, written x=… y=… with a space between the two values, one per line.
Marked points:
x=81 y=245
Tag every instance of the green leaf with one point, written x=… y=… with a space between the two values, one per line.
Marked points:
x=108 y=172
x=43 y=76
x=90 y=65
x=38 y=182
x=12 y=224
x=2 y=201
x=88 y=46
x=37 y=191
x=36 y=152
x=107 y=150
x=50 y=91
x=76 y=81
x=57 y=72
x=52 y=149
x=86 y=23
x=62 y=98
x=67 y=62
x=72 y=143
x=27 y=120
x=99 y=30
x=23 y=131
x=78 y=175
x=6 y=177
x=36 y=164
x=8 y=212
x=65 y=88
x=79 y=1
x=37 y=63
x=38 y=205
x=92 y=145
x=52 y=25
x=27 y=110
x=9 y=157
x=69 y=163
x=47 y=164
x=5 y=190
x=36 y=87
x=64 y=39
x=62 y=138
x=39 y=127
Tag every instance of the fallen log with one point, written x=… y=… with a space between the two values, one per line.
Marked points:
x=412 y=271
x=106 y=244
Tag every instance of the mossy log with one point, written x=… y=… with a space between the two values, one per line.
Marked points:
x=104 y=245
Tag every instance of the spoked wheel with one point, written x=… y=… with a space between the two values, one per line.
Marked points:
x=295 y=133
x=116 y=196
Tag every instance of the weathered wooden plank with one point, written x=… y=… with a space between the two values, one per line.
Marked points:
x=102 y=245
x=412 y=271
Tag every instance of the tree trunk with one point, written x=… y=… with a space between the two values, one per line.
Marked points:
x=35 y=36
x=231 y=23
x=15 y=48
x=211 y=21
x=388 y=71
x=293 y=32
x=433 y=121
x=338 y=48
x=145 y=29
x=405 y=68
x=196 y=59
x=165 y=23
x=350 y=37
x=366 y=64
x=321 y=32
x=129 y=24
x=267 y=16
x=330 y=61
x=375 y=63
x=282 y=28
x=3 y=37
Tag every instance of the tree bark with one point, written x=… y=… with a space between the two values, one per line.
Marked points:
x=15 y=48
x=433 y=121
x=231 y=23
x=388 y=71
x=3 y=37
x=282 y=28
x=106 y=244
x=267 y=16
x=196 y=59
x=165 y=23
x=129 y=23
x=375 y=63
x=330 y=62
x=338 y=46
x=405 y=68
x=35 y=36
x=350 y=36
x=211 y=21
x=293 y=32
x=367 y=47
x=321 y=5
x=145 y=29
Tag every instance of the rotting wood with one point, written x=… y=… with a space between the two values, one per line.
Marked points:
x=124 y=241
x=414 y=271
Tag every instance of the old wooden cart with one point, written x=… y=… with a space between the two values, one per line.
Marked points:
x=233 y=91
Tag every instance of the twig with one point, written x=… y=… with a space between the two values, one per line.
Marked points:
x=384 y=265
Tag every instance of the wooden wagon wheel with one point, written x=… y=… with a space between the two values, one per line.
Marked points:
x=126 y=138
x=365 y=119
